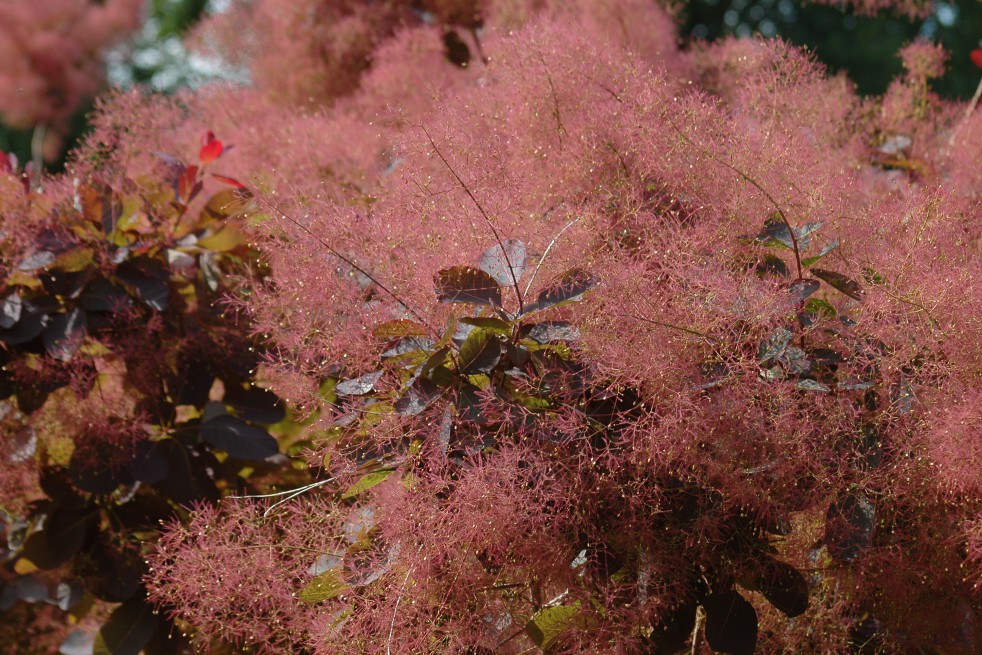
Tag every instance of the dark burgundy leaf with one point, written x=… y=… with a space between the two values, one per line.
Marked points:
x=65 y=334
x=359 y=386
x=467 y=284
x=63 y=535
x=33 y=318
x=569 y=288
x=502 y=263
x=775 y=232
x=849 y=526
x=479 y=353
x=801 y=289
x=455 y=49
x=10 y=311
x=149 y=281
x=550 y=331
x=130 y=627
x=238 y=438
x=784 y=586
x=191 y=475
x=840 y=282
x=417 y=398
x=104 y=296
x=731 y=623
x=254 y=403
x=149 y=465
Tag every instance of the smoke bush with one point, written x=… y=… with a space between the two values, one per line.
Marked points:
x=601 y=344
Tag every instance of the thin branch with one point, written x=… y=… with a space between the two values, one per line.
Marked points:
x=487 y=218
x=549 y=247
x=395 y=610
x=352 y=264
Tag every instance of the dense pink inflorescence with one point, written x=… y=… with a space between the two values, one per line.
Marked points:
x=591 y=138
x=52 y=54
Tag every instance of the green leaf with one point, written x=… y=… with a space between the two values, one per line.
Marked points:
x=872 y=277
x=227 y=203
x=400 y=328
x=73 y=261
x=547 y=626
x=820 y=307
x=488 y=323
x=808 y=261
x=467 y=284
x=130 y=627
x=366 y=482
x=329 y=584
x=227 y=238
x=480 y=352
x=840 y=282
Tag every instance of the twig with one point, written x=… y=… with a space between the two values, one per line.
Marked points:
x=487 y=218
x=395 y=610
x=695 y=631
x=548 y=248
x=290 y=494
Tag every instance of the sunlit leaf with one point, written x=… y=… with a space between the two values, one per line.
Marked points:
x=505 y=262
x=467 y=284
x=366 y=482
x=548 y=625
x=479 y=353
x=358 y=386
x=840 y=282
x=329 y=584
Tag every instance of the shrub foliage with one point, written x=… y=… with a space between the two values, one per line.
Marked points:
x=592 y=344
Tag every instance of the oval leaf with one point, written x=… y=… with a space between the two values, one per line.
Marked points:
x=479 y=353
x=366 y=482
x=505 y=262
x=731 y=623
x=239 y=439
x=130 y=627
x=63 y=535
x=358 y=386
x=849 y=527
x=467 y=284
x=548 y=625
x=784 y=586
x=65 y=334
x=325 y=586
x=569 y=288
x=840 y=282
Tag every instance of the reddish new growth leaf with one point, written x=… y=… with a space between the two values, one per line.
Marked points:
x=211 y=148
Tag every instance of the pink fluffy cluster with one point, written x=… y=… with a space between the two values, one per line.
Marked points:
x=583 y=130
x=52 y=55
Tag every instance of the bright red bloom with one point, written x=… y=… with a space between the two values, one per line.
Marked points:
x=976 y=57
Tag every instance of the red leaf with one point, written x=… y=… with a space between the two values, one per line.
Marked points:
x=231 y=181
x=185 y=183
x=211 y=148
x=976 y=57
